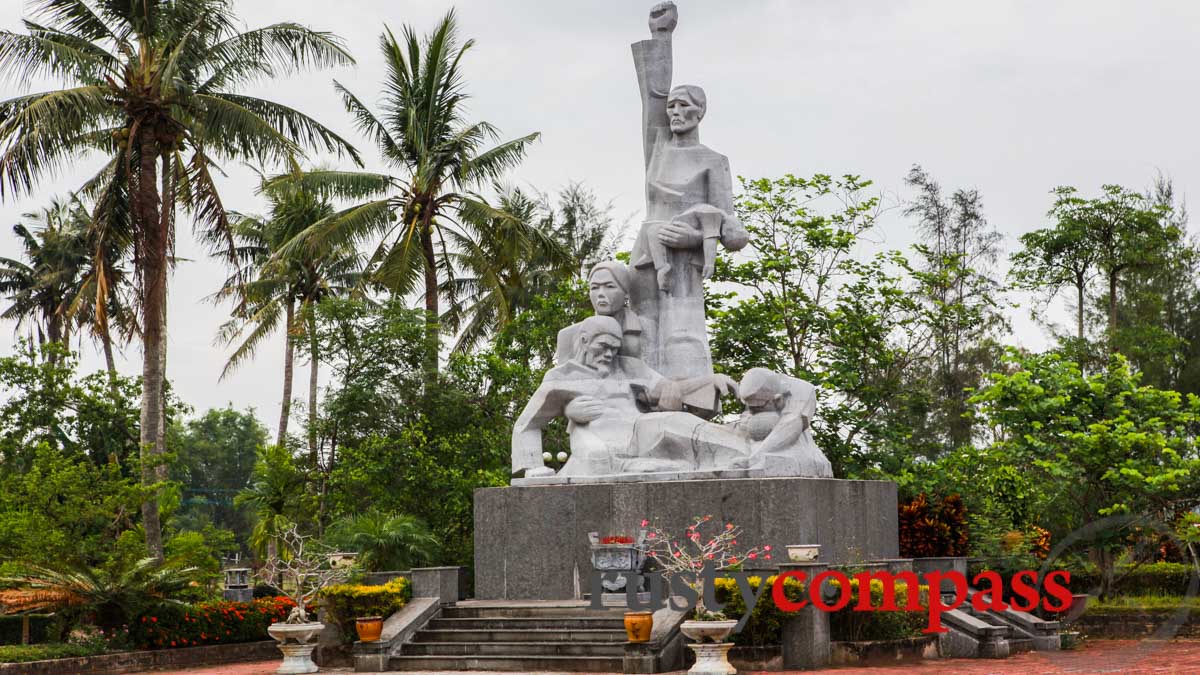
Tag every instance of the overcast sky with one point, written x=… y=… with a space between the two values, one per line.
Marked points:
x=1011 y=98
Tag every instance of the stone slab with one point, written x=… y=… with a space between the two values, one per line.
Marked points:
x=531 y=541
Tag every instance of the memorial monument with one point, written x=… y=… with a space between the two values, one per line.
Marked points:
x=636 y=385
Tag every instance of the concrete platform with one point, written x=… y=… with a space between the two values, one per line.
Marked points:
x=531 y=541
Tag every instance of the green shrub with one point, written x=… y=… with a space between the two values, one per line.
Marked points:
x=27 y=653
x=1161 y=578
x=10 y=628
x=347 y=602
x=845 y=625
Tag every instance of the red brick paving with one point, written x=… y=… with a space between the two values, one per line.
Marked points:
x=1095 y=656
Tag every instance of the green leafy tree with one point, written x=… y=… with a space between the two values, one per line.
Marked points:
x=1158 y=306
x=43 y=399
x=1100 y=445
x=1126 y=231
x=815 y=311
x=65 y=509
x=215 y=456
x=151 y=85
x=440 y=158
x=957 y=255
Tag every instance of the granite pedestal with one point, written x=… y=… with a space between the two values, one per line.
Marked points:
x=531 y=542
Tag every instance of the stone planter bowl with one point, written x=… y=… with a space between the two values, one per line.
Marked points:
x=296 y=641
x=711 y=631
x=803 y=552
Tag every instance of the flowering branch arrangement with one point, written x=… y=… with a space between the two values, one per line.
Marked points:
x=309 y=568
x=687 y=557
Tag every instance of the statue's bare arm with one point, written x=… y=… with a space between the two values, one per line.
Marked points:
x=653 y=61
x=720 y=194
x=546 y=404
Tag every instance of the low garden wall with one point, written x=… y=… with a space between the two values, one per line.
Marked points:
x=873 y=652
x=1135 y=624
x=130 y=662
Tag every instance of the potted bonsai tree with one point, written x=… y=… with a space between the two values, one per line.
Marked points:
x=305 y=571
x=686 y=557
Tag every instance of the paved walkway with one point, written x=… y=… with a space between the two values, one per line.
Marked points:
x=1096 y=656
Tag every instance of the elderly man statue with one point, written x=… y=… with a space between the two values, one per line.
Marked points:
x=778 y=422
x=602 y=394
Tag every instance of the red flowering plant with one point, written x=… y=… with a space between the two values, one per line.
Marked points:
x=206 y=623
x=685 y=557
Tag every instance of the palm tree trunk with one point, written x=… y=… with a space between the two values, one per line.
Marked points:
x=109 y=362
x=314 y=363
x=153 y=262
x=289 y=350
x=432 y=341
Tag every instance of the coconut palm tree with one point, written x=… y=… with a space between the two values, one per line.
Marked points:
x=42 y=288
x=502 y=259
x=267 y=289
x=438 y=156
x=151 y=84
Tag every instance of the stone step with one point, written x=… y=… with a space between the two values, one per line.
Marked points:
x=527 y=635
x=517 y=611
x=616 y=649
x=1018 y=645
x=528 y=623
x=518 y=664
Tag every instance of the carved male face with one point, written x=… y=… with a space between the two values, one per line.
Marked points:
x=684 y=112
x=600 y=352
x=599 y=342
x=606 y=294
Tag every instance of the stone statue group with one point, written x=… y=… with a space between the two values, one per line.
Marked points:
x=635 y=381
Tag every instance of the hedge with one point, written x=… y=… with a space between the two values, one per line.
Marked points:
x=845 y=625
x=27 y=653
x=208 y=623
x=347 y=602
x=1161 y=578
x=10 y=628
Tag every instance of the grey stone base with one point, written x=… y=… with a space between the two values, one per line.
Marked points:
x=531 y=541
x=642 y=477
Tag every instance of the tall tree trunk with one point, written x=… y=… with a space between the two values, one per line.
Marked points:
x=1112 y=312
x=314 y=363
x=289 y=351
x=54 y=330
x=432 y=340
x=153 y=261
x=109 y=362
x=1079 y=289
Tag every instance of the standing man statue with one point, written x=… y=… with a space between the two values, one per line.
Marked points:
x=689 y=199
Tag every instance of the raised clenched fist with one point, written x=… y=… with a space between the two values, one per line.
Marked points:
x=663 y=18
